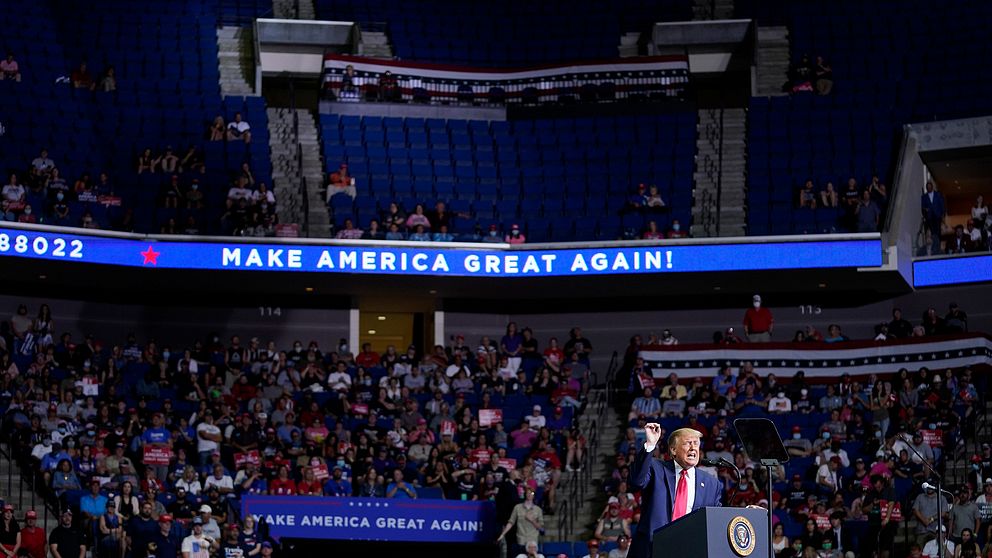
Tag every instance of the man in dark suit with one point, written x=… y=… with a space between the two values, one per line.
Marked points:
x=934 y=210
x=669 y=489
x=840 y=536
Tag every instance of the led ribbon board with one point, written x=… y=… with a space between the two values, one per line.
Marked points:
x=950 y=271
x=461 y=260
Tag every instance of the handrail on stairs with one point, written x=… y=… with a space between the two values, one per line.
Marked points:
x=301 y=180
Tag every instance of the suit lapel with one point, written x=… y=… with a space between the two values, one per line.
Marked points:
x=669 y=468
x=700 y=488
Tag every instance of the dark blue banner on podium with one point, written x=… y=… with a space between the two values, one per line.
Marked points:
x=317 y=517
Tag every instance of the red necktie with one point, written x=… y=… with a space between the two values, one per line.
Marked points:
x=681 y=495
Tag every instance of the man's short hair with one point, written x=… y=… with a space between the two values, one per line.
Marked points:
x=680 y=433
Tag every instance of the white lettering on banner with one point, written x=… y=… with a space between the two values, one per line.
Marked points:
x=456 y=525
x=388 y=261
x=280 y=519
x=399 y=523
x=349 y=521
x=294 y=258
x=368 y=261
x=484 y=264
x=230 y=256
x=325 y=260
x=440 y=264
x=254 y=258
x=652 y=260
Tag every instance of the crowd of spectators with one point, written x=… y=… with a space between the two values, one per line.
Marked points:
x=147 y=442
x=860 y=449
x=861 y=209
x=41 y=194
x=419 y=225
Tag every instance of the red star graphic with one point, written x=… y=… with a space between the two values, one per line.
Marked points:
x=150 y=255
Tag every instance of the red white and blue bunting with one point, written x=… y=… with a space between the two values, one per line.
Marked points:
x=822 y=359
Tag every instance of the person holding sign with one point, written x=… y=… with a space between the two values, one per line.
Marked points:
x=157 y=438
x=669 y=489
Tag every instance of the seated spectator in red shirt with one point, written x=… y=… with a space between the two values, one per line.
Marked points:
x=676 y=230
x=282 y=484
x=27 y=216
x=81 y=78
x=9 y=69
x=367 y=358
x=652 y=232
x=340 y=182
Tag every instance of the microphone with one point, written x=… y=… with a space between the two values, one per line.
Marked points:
x=722 y=462
x=928 y=486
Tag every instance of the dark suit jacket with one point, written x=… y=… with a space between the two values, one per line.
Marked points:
x=656 y=481
x=932 y=210
x=846 y=543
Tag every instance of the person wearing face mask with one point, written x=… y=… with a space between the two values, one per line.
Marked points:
x=516 y=235
x=26 y=216
x=60 y=209
x=676 y=230
x=758 y=322
x=797 y=445
x=670 y=489
x=492 y=237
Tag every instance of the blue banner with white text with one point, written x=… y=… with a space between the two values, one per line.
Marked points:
x=432 y=259
x=379 y=519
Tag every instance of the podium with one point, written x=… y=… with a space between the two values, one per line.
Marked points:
x=714 y=533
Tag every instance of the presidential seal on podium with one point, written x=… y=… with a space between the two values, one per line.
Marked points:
x=740 y=534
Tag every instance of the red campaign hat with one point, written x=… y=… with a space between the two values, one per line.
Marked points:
x=31 y=515
x=797 y=429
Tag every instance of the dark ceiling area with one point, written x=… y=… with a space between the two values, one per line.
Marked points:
x=840 y=287
x=966 y=172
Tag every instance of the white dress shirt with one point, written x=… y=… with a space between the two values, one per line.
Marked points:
x=690 y=479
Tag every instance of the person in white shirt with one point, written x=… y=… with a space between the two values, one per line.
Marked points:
x=263 y=194
x=780 y=403
x=536 y=420
x=198 y=545
x=530 y=551
x=930 y=549
x=208 y=437
x=827 y=477
x=224 y=483
x=457 y=366
x=339 y=380
x=238 y=129
x=13 y=191
x=42 y=165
